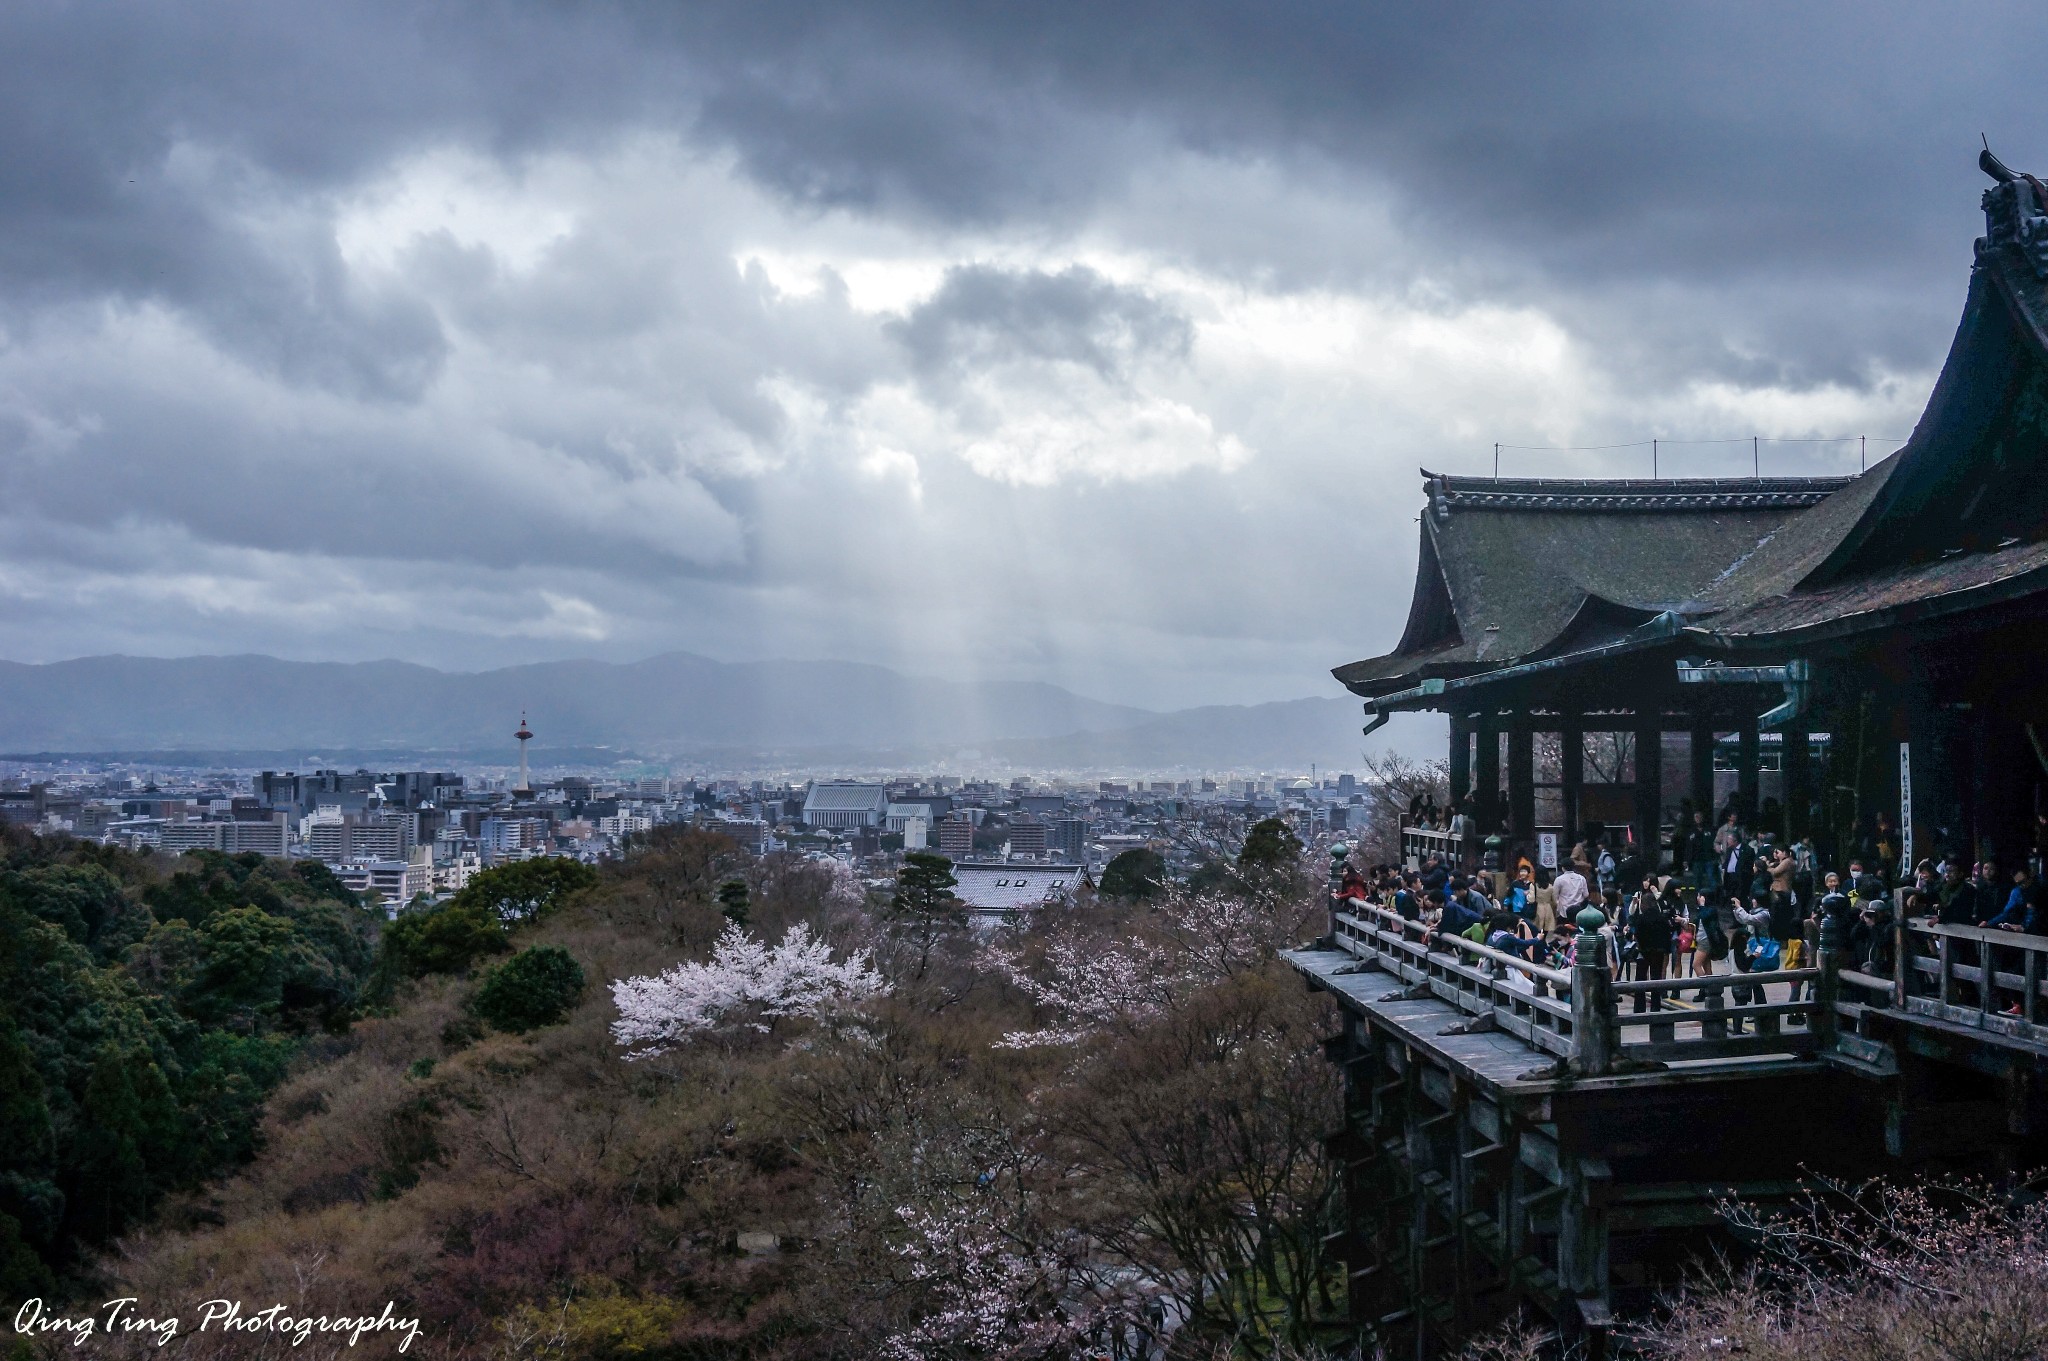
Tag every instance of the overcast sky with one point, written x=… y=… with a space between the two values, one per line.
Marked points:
x=1093 y=343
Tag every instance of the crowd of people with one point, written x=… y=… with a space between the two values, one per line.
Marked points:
x=1727 y=898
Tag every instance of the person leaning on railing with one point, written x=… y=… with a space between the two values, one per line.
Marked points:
x=2022 y=910
x=1512 y=935
x=1463 y=908
x=1960 y=901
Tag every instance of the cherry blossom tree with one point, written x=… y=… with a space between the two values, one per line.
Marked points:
x=745 y=983
x=1091 y=985
x=989 y=1295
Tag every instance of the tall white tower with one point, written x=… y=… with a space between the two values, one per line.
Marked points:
x=525 y=786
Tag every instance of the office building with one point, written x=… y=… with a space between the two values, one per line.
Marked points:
x=956 y=837
x=1068 y=838
x=1027 y=837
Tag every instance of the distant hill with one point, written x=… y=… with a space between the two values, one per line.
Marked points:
x=1287 y=735
x=673 y=706
x=665 y=705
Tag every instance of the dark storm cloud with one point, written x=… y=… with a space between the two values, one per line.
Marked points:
x=1807 y=169
x=1605 y=144
x=982 y=315
x=1608 y=135
x=144 y=150
x=1761 y=196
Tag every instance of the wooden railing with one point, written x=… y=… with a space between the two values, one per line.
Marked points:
x=1941 y=972
x=1526 y=1000
x=1419 y=843
x=1577 y=1017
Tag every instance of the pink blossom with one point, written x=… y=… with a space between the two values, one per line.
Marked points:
x=745 y=982
x=991 y=1296
x=1091 y=985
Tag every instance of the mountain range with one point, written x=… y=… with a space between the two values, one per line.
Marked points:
x=674 y=706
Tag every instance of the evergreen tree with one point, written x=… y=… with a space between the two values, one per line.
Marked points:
x=524 y=890
x=444 y=939
x=1137 y=874
x=732 y=901
x=534 y=988
x=144 y=1018
x=924 y=905
x=1271 y=856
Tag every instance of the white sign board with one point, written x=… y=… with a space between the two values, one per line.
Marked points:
x=1906 y=861
x=1546 y=850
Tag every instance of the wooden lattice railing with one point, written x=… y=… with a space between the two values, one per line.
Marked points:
x=1577 y=1018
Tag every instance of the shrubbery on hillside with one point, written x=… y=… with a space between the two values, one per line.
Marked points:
x=845 y=1159
x=535 y=987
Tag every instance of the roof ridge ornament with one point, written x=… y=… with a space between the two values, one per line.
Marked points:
x=1448 y=493
x=2015 y=212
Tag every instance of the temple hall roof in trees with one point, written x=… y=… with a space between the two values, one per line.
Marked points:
x=1517 y=575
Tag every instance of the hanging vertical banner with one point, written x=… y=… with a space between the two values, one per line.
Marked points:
x=1546 y=850
x=1906 y=860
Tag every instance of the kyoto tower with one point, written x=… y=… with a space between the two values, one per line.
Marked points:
x=525 y=786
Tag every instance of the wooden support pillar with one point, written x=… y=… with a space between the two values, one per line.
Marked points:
x=1824 y=1024
x=1594 y=1035
x=1486 y=776
x=1464 y=1261
x=2019 y=1098
x=1461 y=756
x=1795 y=759
x=1521 y=785
x=1746 y=767
x=1649 y=791
x=1703 y=772
x=1974 y=786
x=1582 y=1252
x=1571 y=744
x=1923 y=721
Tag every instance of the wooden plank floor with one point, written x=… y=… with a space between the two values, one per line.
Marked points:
x=1499 y=1062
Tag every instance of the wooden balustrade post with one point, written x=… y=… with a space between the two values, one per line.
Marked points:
x=1824 y=1022
x=1987 y=989
x=1902 y=967
x=2030 y=1004
x=1593 y=1025
x=1715 y=1025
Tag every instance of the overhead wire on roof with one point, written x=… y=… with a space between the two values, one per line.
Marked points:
x=1646 y=443
x=1656 y=442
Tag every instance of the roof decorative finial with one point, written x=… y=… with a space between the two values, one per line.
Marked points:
x=1992 y=166
x=2015 y=213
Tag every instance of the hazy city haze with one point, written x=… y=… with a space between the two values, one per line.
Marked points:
x=1093 y=345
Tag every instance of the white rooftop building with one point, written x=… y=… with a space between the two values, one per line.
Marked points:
x=997 y=890
x=846 y=805
x=396 y=882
